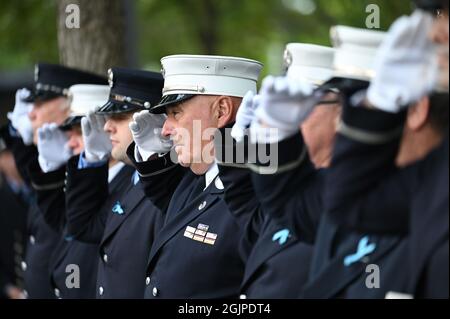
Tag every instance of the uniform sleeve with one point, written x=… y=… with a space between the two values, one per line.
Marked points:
x=159 y=177
x=51 y=197
x=6 y=248
x=86 y=193
x=239 y=194
x=23 y=155
x=5 y=281
x=365 y=191
x=294 y=190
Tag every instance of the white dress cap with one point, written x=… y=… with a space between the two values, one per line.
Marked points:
x=309 y=62
x=355 y=51
x=209 y=75
x=87 y=97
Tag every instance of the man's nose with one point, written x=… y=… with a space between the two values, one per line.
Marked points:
x=109 y=127
x=167 y=128
x=32 y=113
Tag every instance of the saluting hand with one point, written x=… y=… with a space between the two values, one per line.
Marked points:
x=97 y=144
x=406 y=65
x=19 y=117
x=245 y=115
x=284 y=105
x=53 y=148
x=146 y=129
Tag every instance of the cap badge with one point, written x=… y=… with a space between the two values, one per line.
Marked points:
x=288 y=59
x=36 y=73
x=110 y=78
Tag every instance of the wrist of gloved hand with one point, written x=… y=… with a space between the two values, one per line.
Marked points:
x=261 y=133
x=26 y=133
x=92 y=157
x=146 y=130
x=23 y=127
x=287 y=125
x=27 y=137
x=49 y=166
x=383 y=101
x=19 y=117
x=142 y=155
x=245 y=116
x=238 y=133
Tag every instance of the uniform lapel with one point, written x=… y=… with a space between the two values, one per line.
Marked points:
x=60 y=252
x=181 y=195
x=132 y=198
x=336 y=276
x=266 y=249
x=116 y=185
x=122 y=178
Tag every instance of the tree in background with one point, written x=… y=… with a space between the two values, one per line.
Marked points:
x=97 y=42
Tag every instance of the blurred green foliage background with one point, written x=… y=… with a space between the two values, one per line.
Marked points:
x=256 y=29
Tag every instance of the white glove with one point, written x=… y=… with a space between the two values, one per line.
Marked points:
x=146 y=129
x=97 y=144
x=406 y=64
x=53 y=148
x=245 y=115
x=284 y=105
x=19 y=117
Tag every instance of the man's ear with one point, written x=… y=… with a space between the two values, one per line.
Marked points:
x=418 y=114
x=225 y=111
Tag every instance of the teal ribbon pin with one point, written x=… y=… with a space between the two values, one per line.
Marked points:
x=281 y=236
x=117 y=209
x=364 y=249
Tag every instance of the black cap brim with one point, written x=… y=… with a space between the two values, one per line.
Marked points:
x=113 y=107
x=342 y=84
x=41 y=96
x=170 y=100
x=70 y=122
x=431 y=5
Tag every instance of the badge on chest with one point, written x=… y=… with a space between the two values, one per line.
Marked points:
x=200 y=234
